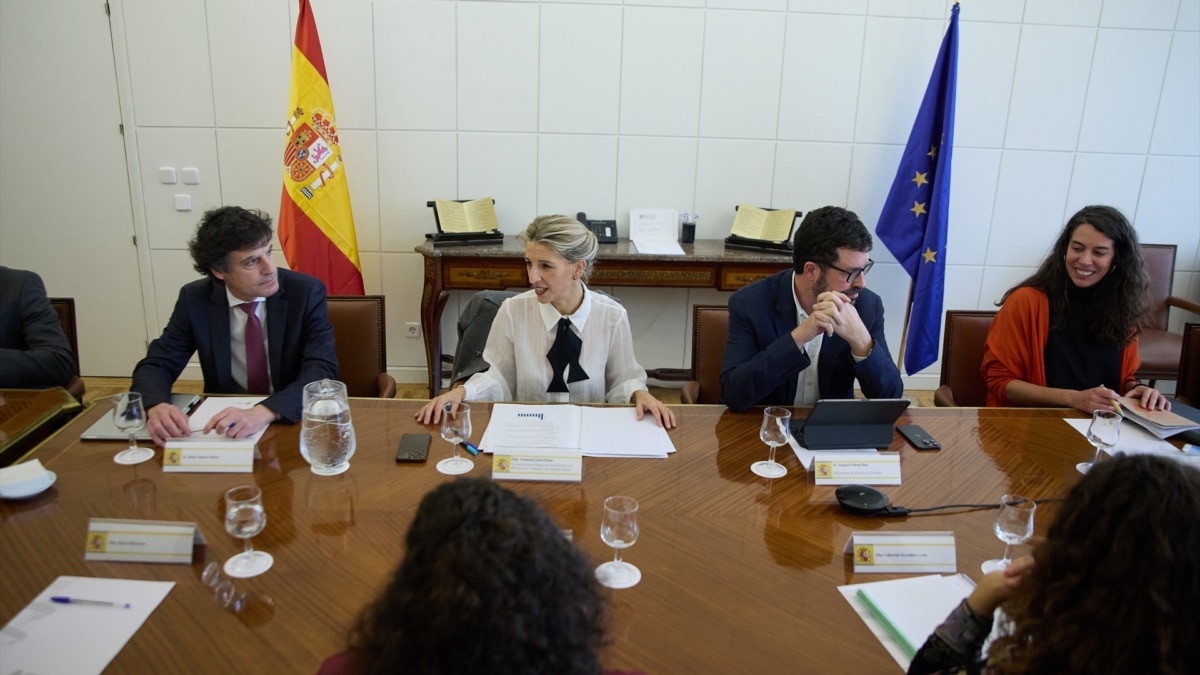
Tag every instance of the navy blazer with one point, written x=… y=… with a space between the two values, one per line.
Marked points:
x=762 y=362
x=299 y=343
x=34 y=350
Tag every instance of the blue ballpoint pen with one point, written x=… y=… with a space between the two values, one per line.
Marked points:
x=66 y=600
x=471 y=448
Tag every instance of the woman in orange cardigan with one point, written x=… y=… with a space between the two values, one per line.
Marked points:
x=1067 y=336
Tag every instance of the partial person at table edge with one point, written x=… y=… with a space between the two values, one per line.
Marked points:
x=808 y=333
x=242 y=295
x=1112 y=589
x=1067 y=336
x=34 y=351
x=560 y=341
x=488 y=584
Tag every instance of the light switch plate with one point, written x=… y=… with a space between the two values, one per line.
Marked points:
x=166 y=175
x=183 y=202
x=191 y=175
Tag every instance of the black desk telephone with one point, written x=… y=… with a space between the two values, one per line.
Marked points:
x=605 y=230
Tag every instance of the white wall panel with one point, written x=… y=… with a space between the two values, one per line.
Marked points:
x=1120 y=109
x=1155 y=14
x=1189 y=16
x=360 y=152
x=731 y=172
x=1030 y=201
x=504 y=167
x=661 y=70
x=249 y=169
x=973 y=178
x=872 y=170
x=987 y=58
x=415 y=75
x=1177 y=127
x=497 y=66
x=580 y=68
x=1114 y=180
x=821 y=63
x=1053 y=65
x=808 y=175
x=1063 y=12
x=916 y=9
x=654 y=173
x=414 y=167
x=251 y=70
x=898 y=58
x=178 y=148
x=743 y=54
x=345 y=31
x=577 y=173
x=1169 y=209
x=1001 y=11
x=167 y=46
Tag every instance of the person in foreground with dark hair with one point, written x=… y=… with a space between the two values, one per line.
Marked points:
x=488 y=584
x=807 y=333
x=34 y=350
x=1068 y=335
x=1112 y=589
x=258 y=330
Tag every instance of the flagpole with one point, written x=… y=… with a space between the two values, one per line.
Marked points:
x=904 y=331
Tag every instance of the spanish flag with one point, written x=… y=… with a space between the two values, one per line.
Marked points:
x=316 y=226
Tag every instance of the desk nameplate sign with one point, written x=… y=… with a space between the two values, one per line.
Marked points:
x=902 y=552
x=161 y=541
x=537 y=464
x=210 y=457
x=849 y=468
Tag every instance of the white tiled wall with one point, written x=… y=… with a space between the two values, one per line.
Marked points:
x=604 y=105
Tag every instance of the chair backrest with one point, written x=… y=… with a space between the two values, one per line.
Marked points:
x=710 y=328
x=361 y=341
x=1187 y=385
x=65 y=308
x=962 y=354
x=1160 y=265
x=474 y=324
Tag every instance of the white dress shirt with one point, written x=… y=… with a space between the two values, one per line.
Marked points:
x=521 y=336
x=237 y=338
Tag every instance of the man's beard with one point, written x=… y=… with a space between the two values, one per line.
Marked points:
x=821 y=287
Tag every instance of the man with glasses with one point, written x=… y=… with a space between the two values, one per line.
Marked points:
x=807 y=333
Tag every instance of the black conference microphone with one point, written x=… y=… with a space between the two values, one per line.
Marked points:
x=863 y=500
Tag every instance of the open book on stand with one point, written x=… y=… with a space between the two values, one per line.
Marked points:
x=762 y=229
x=465 y=222
x=1161 y=423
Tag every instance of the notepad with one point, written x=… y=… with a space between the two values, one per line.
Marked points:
x=908 y=610
x=1161 y=423
x=596 y=432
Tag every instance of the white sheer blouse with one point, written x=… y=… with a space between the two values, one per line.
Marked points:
x=522 y=334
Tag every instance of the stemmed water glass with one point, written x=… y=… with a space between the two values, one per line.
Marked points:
x=774 y=432
x=129 y=415
x=456 y=428
x=619 y=529
x=244 y=518
x=1103 y=432
x=1014 y=525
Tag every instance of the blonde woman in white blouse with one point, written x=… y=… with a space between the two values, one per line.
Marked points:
x=559 y=256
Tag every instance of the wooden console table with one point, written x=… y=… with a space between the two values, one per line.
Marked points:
x=707 y=264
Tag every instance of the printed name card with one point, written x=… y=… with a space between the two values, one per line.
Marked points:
x=538 y=464
x=902 y=552
x=850 y=468
x=208 y=457
x=160 y=541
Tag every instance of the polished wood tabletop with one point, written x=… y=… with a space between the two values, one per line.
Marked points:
x=27 y=416
x=740 y=574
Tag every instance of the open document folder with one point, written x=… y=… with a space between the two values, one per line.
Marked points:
x=596 y=432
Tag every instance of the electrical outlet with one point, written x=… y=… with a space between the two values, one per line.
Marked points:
x=412 y=329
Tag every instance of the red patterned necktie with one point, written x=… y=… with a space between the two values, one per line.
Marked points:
x=257 y=379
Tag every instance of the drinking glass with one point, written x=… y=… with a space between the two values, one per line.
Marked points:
x=1103 y=432
x=619 y=529
x=1014 y=525
x=456 y=428
x=774 y=432
x=244 y=518
x=327 y=438
x=130 y=415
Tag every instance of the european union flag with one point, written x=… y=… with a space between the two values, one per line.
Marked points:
x=913 y=222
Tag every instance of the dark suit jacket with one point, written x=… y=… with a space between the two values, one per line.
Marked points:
x=299 y=343
x=34 y=350
x=762 y=362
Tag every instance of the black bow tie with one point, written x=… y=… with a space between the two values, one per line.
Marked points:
x=564 y=352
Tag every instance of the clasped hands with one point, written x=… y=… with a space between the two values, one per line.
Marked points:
x=834 y=313
x=165 y=421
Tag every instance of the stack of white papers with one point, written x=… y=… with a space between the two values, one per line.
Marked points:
x=1134 y=440
x=596 y=432
x=655 y=231
x=902 y=613
x=1161 y=423
x=210 y=407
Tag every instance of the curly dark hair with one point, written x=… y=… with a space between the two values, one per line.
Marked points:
x=224 y=230
x=823 y=231
x=488 y=584
x=1124 y=292
x=1114 y=585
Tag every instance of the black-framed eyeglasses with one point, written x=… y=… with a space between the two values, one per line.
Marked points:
x=851 y=275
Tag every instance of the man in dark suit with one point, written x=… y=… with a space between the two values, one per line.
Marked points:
x=819 y=317
x=34 y=350
x=258 y=330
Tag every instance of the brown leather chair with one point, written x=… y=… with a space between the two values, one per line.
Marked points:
x=1187 y=384
x=962 y=354
x=1159 y=349
x=65 y=308
x=710 y=328
x=361 y=335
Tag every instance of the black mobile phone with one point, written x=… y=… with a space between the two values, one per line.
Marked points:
x=413 y=448
x=918 y=437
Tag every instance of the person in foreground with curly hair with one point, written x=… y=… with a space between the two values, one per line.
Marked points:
x=1068 y=335
x=1112 y=589
x=488 y=584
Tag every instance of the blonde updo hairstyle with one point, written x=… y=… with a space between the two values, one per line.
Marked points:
x=567 y=237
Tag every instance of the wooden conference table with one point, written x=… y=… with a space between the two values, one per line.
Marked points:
x=27 y=416
x=705 y=264
x=740 y=574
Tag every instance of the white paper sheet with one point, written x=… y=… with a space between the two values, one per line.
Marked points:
x=1134 y=440
x=215 y=404
x=597 y=432
x=658 y=247
x=914 y=605
x=807 y=456
x=76 y=639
